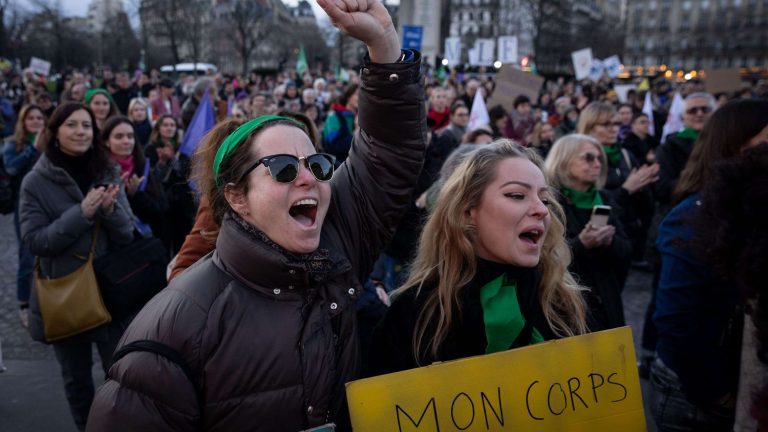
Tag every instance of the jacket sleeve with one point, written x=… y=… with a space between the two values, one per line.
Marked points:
x=195 y=245
x=671 y=163
x=14 y=162
x=148 y=392
x=45 y=237
x=119 y=223
x=373 y=187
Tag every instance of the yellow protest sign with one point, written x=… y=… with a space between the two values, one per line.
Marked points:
x=583 y=383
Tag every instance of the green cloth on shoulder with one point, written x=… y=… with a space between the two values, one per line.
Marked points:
x=502 y=315
x=613 y=153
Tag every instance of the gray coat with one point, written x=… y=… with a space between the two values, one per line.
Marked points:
x=56 y=232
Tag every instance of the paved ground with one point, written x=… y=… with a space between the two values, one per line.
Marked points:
x=31 y=391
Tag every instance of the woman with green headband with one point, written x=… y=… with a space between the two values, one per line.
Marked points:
x=102 y=105
x=577 y=166
x=260 y=334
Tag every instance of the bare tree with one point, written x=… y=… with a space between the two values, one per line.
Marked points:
x=246 y=23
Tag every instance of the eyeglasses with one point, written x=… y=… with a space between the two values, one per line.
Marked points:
x=284 y=168
x=610 y=124
x=701 y=109
x=590 y=158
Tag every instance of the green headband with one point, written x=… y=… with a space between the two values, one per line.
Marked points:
x=93 y=92
x=237 y=137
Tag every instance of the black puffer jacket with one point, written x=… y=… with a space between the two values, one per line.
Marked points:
x=271 y=346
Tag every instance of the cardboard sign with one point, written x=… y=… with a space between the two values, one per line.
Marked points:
x=512 y=82
x=722 y=80
x=484 y=50
x=584 y=383
x=596 y=70
x=40 y=66
x=582 y=63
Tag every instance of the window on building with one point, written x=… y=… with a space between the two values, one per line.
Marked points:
x=704 y=5
x=687 y=5
x=652 y=5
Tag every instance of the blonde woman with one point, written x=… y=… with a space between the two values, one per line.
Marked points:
x=491 y=269
x=577 y=167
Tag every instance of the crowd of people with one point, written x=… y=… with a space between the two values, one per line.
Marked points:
x=326 y=230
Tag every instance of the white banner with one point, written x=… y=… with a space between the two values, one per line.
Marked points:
x=508 y=49
x=40 y=66
x=582 y=63
x=479 y=114
x=612 y=66
x=452 y=52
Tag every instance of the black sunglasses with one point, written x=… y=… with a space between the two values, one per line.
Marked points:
x=284 y=168
x=702 y=109
x=590 y=158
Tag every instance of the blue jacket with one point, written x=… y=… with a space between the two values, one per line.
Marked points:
x=694 y=310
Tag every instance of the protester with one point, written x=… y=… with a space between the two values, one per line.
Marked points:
x=638 y=141
x=521 y=121
x=145 y=193
x=102 y=105
x=732 y=213
x=439 y=110
x=164 y=140
x=19 y=156
x=62 y=199
x=498 y=117
x=674 y=153
x=139 y=116
x=281 y=273
x=568 y=123
x=166 y=102
x=627 y=179
x=193 y=101
x=698 y=313
x=126 y=91
x=625 y=118
x=495 y=225
x=577 y=167
x=340 y=125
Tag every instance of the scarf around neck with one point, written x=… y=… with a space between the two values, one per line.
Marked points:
x=126 y=163
x=613 y=153
x=689 y=133
x=583 y=200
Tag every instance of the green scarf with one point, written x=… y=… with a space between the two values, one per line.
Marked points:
x=613 y=153
x=31 y=138
x=583 y=200
x=502 y=315
x=688 y=133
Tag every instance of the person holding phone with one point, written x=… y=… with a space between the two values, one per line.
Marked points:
x=577 y=166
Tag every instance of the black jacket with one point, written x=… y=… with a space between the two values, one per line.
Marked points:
x=672 y=157
x=602 y=270
x=392 y=343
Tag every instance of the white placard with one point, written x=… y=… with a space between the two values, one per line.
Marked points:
x=612 y=66
x=452 y=51
x=596 y=70
x=40 y=66
x=507 y=49
x=484 y=51
x=582 y=63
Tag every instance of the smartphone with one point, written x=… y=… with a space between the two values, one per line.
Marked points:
x=600 y=215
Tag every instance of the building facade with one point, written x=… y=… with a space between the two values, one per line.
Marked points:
x=693 y=35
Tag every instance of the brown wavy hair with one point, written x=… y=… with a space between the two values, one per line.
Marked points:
x=447 y=257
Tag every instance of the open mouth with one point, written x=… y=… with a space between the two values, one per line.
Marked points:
x=532 y=236
x=304 y=211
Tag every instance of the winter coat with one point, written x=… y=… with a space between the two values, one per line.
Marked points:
x=672 y=157
x=270 y=345
x=601 y=270
x=56 y=232
x=18 y=164
x=697 y=315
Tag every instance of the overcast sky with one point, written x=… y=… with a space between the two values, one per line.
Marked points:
x=80 y=7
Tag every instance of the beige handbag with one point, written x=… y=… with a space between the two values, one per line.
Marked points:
x=71 y=304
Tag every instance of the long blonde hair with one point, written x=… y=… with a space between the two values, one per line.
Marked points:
x=446 y=255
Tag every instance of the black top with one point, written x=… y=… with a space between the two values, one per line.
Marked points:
x=392 y=344
x=78 y=167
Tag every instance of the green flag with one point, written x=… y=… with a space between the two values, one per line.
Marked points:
x=301 y=63
x=441 y=74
